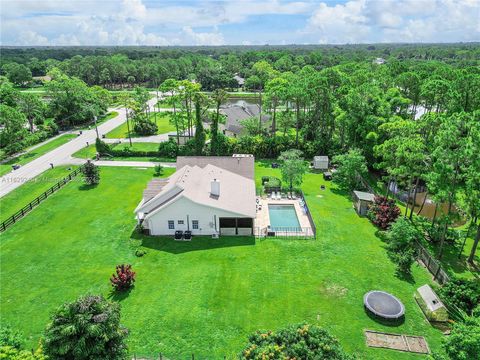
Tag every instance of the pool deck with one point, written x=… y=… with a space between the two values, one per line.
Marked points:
x=263 y=218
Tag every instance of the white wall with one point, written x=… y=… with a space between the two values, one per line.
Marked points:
x=320 y=164
x=178 y=210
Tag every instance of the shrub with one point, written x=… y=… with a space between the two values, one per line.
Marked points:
x=102 y=147
x=140 y=252
x=383 y=212
x=168 y=148
x=273 y=184
x=464 y=340
x=124 y=277
x=145 y=127
x=461 y=294
x=91 y=173
x=303 y=341
x=10 y=337
x=88 y=328
x=12 y=353
x=401 y=244
x=158 y=170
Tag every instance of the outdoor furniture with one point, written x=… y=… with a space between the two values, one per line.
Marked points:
x=327 y=175
x=178 y=235
x=187 y=235
x=15 y=166
x=322 y=187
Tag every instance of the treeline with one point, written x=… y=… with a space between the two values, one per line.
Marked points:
x=213 y=67
x=26 y=118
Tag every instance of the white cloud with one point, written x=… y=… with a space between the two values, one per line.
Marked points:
x=363 y=21
x=136 y=22
x=29 y=37
x=203 y=38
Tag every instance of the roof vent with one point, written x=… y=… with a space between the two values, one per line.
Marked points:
x=215 y=188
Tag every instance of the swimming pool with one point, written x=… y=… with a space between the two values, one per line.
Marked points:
x=283 y=218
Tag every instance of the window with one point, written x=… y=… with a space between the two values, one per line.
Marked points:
x=171 y=224
x=180 y=222
x=195 y=224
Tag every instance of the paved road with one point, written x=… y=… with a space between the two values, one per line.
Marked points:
x=61 y=155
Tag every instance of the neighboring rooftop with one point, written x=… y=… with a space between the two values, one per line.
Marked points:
x=320 y=158
x=241 y=164
x=237 y=113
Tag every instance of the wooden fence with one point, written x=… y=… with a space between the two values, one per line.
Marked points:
x=35 y=202
x=432 y=265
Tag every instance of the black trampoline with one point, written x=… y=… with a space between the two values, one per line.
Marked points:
x=383 y=304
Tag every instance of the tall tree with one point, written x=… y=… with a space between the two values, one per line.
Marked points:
x=219 y=96
x=32 y=107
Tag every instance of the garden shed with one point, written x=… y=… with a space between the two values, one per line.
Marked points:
x=430 y=304
x=361 y=201
x=320 y=162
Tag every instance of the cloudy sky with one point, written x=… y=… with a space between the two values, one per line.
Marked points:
x=204 y=22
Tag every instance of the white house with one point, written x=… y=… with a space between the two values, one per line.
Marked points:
x=320 y=162
x=206 y=195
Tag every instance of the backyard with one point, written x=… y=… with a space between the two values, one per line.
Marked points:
x=206 y=296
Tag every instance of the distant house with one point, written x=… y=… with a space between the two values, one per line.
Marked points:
x=379 y=61
x=237 y=113
x=320 y=162
x=362 y=200
x=240 y=81
x=206 y=195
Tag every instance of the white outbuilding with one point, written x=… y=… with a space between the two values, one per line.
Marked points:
x=206 y=195
x=320 y=162
x=430 y=304
x=362 y=201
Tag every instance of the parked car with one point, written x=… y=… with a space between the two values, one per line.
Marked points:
x=16 y=166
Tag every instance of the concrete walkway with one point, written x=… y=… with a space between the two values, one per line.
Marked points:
x=61 y=155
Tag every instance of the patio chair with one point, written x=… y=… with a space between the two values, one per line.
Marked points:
x=187 y=235
x=178 y=235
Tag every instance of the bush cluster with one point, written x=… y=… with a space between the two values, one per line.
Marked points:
x=461 y=294
x=124 y=277
x=383 y=212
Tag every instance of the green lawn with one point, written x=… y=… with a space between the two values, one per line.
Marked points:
x=33 y=154
x=90 y=151
x=163 y=123
x=207 y=296
x=15 y=200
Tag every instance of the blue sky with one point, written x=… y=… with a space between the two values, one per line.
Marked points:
x=205 y=22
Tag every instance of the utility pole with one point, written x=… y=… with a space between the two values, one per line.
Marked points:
x=96 y=128
x=128 y=124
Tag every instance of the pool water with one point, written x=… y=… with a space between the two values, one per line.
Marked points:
x=282 y=217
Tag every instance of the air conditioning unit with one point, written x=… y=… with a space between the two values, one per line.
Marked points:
x=215 y=236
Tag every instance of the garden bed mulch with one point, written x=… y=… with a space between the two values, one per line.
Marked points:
x=409 y=343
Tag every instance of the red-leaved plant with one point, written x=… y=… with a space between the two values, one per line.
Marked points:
x=124 y=277
x=383 y=212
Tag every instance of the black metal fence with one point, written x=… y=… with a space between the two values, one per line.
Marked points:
x=35 y=202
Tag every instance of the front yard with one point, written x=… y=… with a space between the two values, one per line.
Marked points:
x=207 y=296
x=162 y=121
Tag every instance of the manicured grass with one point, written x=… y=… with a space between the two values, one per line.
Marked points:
x=163 y=123
x=90 y=151
x=205 y=296
x=36 y=153
x=15 y=200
